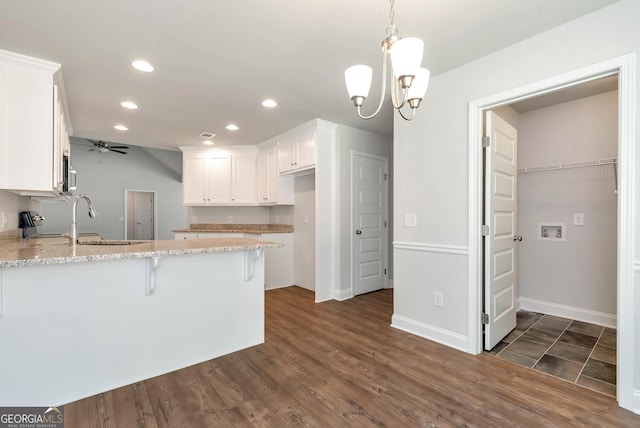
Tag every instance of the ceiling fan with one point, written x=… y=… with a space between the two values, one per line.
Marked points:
x=103 y=147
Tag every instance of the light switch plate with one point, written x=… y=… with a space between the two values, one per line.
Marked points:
x=411 y=220
x=578 y=219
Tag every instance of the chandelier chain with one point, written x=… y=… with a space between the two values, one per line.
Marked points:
x=392 y=12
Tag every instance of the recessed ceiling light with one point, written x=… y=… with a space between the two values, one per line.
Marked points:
x=121 y=128
x=269 y=103
x=208 y=142
x=142 y=66
x=232 y=127
x=129 y=104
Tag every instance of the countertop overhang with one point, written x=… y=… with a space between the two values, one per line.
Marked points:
x=47 y=251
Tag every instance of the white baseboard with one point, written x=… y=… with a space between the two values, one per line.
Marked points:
x=636 y=401
x=276 y=287
x=436 y=334
x=586 y=315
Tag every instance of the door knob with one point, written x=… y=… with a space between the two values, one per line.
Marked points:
x=517 y=237
x=358 y=232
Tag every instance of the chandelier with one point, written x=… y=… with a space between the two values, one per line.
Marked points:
x=408 y=82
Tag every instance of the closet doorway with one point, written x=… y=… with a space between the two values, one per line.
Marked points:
x=564 y=245
x=623 y=66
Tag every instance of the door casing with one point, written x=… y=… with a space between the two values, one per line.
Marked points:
x=625 y=67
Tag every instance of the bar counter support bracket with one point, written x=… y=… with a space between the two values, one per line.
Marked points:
x=250 y=256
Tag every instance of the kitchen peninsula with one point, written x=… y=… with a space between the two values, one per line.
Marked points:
x=77 y=321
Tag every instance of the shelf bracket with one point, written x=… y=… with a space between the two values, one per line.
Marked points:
x=152 y=268
x=250 y=258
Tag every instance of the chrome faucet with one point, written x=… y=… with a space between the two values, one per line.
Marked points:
x=73 y=236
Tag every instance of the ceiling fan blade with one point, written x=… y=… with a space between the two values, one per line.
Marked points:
x=119 y=147
x=117 y=151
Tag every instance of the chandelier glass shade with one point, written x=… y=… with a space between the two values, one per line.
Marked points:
x=408 y=82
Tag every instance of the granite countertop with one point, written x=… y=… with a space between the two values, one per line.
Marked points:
x=237 y=228
x=39 y=251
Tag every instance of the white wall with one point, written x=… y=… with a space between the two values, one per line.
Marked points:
x=105 y=176
x=10 y=205
x=304 y=228
x=579 y=272
x=431 y=162
x=351 y=139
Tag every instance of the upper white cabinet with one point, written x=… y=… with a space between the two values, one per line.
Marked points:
x=219 y=176
x=296 y=152
x=272 y=188
x=35 y=126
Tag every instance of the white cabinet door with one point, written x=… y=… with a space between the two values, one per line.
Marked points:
x=218 y=173
x=27 y=104
x=244 y=179
x=306 y=152
x=267 y=175
x=195 y=182
x=286 y=156
x=296 y=153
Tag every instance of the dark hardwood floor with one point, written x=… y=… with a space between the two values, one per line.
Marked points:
x=341 y=364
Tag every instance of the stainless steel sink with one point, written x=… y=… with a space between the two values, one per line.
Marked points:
x=111 y=242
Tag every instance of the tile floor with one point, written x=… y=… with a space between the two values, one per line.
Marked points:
x=576 y=351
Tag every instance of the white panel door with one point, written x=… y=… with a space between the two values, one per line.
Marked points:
x=500 y=216
x=369 y=223
x=144 y=215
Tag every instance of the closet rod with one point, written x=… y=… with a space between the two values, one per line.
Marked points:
x=569 y=165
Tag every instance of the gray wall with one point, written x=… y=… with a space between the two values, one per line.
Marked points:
x=105 y=176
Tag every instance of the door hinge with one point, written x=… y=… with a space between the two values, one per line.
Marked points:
x=486 y=142
x=385 y=177
x=385 y=271
x=385 y=224
x=485 y=230
x=485 y=318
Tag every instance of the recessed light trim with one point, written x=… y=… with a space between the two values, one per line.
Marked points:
x=121 y=128
x=269 y=103
x=232 y=127
x=142 y=66
x=129 y=105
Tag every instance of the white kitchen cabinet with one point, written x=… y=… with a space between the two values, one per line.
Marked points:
x=272 y=188
x=219 y=177
x=244 y=179
x=207 y=180
x=34 y=125
x=296 y=152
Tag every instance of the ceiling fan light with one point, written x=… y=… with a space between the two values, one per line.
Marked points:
x=358 y=80
x=420 y=83
x=406 y=56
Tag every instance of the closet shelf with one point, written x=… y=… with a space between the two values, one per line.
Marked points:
x=569 y=165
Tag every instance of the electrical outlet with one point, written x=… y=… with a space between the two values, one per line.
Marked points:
x=277 y=219
x=438 y=299
x=306 y=219
x=3 y=220
x=578 y=219
x=194 y=219
x=230 y=219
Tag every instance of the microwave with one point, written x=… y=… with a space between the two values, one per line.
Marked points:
x=69 y=176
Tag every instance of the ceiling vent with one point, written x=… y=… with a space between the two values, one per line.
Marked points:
x=207 y=134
